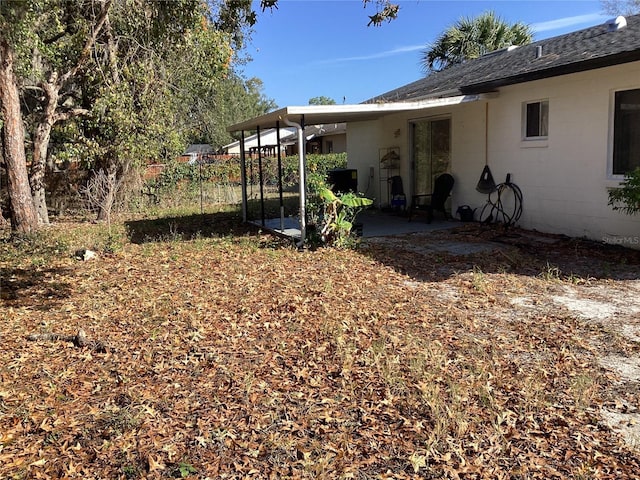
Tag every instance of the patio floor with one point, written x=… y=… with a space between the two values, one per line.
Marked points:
x=382 y=224
x=379 y=227
x=375 y=223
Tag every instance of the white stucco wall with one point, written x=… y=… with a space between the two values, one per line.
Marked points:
x=339 y=143
x=564 y=180
x=362 y=153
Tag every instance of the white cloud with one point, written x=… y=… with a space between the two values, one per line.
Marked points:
x=371 y=56
x=588 y=19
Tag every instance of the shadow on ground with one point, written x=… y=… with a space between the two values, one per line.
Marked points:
x=47 y=285
x=208 y=225
x=187 y=227
x=434 y=256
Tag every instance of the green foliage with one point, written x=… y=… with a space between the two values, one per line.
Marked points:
x=626 y=198
x=159 y=76
x=339 y=216
x=174 y=91
x=189 y=175
x=332 y=216
x=236 y=100
x=187 y=178
x=186 y=469
x=322 y=100
x=473 y=37
x=317 y=167
x=320 y=164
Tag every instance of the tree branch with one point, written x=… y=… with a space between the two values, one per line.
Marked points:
x=75 y=112
x=89 y=43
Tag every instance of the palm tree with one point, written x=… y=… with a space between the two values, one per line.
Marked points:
x=473 y=37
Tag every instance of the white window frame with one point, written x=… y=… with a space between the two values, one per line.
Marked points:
x=611 y=136
x=543 y=120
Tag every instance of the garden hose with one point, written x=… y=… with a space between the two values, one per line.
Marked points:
x=504 y=204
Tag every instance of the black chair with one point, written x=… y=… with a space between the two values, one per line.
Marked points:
x=434 y=201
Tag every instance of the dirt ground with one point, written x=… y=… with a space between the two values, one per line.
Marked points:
x=594 y=283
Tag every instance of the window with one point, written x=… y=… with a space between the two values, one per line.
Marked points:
x=536 y=120
x=626 y=131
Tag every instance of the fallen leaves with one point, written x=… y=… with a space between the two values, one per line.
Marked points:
x=228 y=360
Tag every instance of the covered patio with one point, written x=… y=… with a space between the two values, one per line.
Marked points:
x=301 y=116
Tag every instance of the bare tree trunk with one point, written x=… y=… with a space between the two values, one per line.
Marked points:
x=24 y=218
x=41 y=146
x=50 y=116
x=3 y=221
x=104 y=210
x=101 y=192
x=112 y=48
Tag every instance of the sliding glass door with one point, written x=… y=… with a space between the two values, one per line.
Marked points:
x=431 y=145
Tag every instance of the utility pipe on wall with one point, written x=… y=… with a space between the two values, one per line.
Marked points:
x=280 y=177
x=243 y=177
x=261 y=179
x=303 y=178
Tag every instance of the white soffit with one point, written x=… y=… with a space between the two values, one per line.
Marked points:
x=321 y=114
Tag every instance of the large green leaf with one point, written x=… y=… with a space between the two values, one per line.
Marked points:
x=327 y=195
x=352 y=200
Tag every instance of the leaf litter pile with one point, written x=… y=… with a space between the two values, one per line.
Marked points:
x=237 y=356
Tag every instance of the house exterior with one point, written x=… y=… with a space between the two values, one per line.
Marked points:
x=331 y=138
x=194 y=152
x=268 y=140
x=560 y=116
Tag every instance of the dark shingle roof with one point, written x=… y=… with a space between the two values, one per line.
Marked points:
x=586 y=49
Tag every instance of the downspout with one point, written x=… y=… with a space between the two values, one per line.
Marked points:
x=243 y=177
x=303 y=179
x=260 y=177
x=280 y=177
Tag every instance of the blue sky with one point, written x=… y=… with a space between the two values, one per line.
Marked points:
x=311 y=48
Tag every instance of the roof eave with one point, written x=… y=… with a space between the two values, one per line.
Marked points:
x=576 y=67
x=322 y=114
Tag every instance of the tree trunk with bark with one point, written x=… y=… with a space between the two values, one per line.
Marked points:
x=3 y=220
x=41 y=146
x=24 y=218
x=51 y=116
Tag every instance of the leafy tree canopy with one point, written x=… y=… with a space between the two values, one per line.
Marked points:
x=322 y=100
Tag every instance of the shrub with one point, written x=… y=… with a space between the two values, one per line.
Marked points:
x=626 y=197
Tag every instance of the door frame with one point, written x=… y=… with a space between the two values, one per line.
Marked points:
x=412 y=161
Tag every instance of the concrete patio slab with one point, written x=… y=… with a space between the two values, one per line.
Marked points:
x=375 y=223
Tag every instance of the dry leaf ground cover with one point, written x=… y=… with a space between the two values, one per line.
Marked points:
x=225 y=353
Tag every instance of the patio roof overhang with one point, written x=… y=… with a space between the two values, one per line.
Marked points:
x=320 y=114
x=301 y=116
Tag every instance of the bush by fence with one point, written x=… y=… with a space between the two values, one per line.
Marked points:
x=219 y=181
